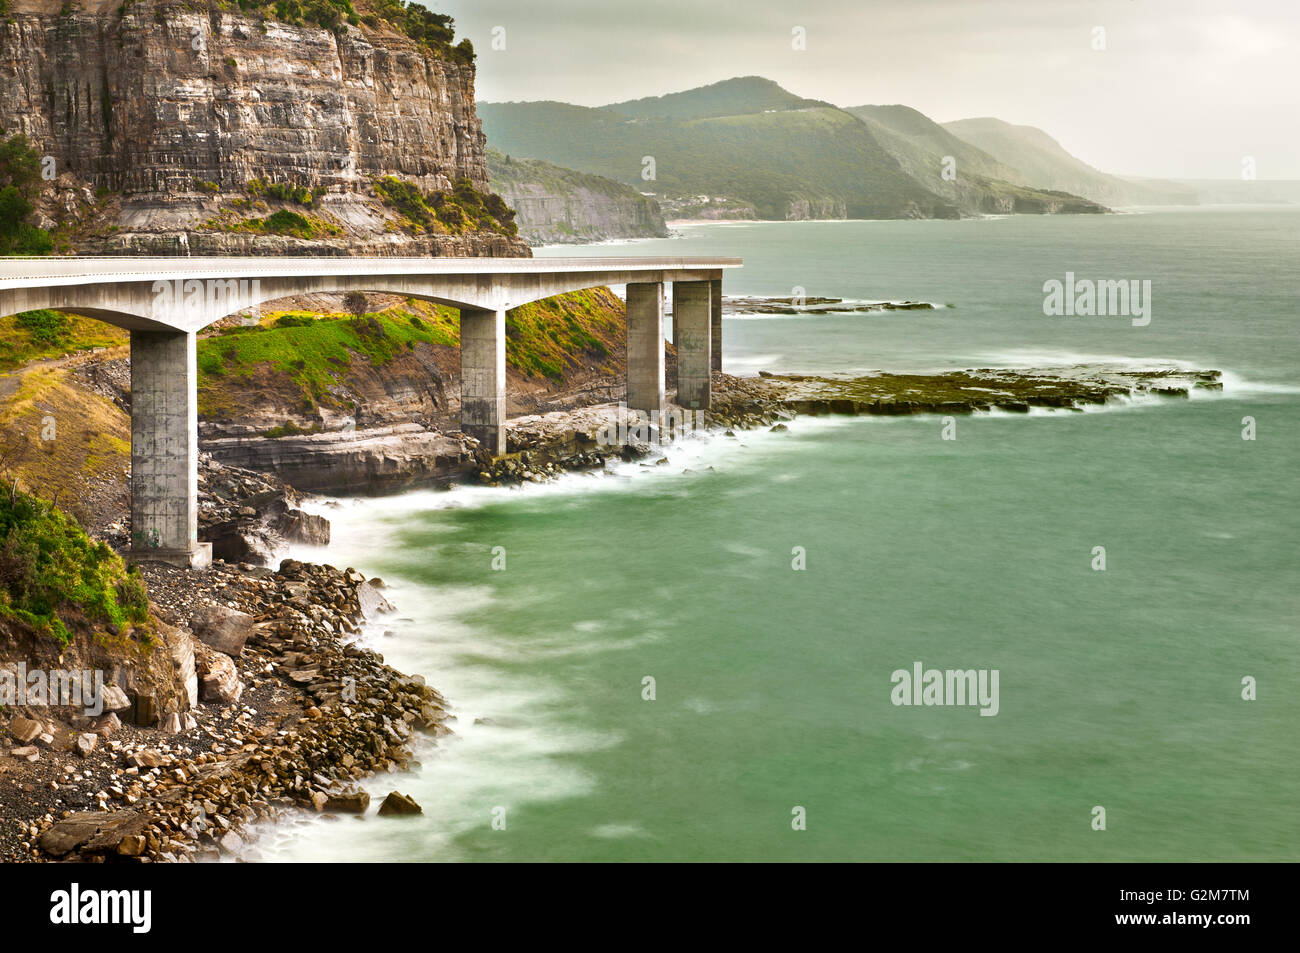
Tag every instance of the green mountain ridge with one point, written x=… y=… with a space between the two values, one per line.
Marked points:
x=757 y=144
x=745 y=138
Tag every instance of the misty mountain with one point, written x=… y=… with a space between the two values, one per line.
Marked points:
x=1040 y=160
x=956 y=170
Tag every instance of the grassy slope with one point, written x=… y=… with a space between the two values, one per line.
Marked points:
x=509 y=171
x=19 y=346
x=906 y=131
x=545 y=340
x=61 y=440
x=56 y=437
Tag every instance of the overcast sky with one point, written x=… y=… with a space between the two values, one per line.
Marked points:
x=1183 y=88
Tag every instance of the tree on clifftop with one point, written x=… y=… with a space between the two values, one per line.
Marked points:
x=355 y=303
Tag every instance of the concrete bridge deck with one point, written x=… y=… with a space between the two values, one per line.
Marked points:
x=164 y=302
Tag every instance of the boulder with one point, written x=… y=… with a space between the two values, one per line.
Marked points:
x=399 y=804
x=24 y=729
x=181 y=645
x=372 y=601
x=307 y=528
x=95 y=830
x=225 y=630
x=146 y=759
x=115 y=699
x=219 y=680
x=86 y=743
x=349 y=802
x=231 y=842
x=106 y=724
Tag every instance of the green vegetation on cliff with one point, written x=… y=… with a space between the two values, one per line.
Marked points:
x=312 y=353
x=20 y=183
x=465 y=208
x=52 y=575
x=282 y=222
x=433 y=31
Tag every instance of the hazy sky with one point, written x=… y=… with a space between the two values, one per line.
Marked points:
x=1183 y=88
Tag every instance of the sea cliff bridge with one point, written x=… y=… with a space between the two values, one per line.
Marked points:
x=165 y=302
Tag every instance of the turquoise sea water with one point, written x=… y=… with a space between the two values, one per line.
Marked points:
x=1119 y=688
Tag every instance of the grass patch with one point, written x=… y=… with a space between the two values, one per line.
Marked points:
x=283 y=222
x=312 y=355
x=37 y=335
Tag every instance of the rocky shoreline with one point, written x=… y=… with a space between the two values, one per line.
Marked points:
x=294 y=716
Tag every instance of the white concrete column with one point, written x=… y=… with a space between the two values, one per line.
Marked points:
x=483 y=377
x=165 y=449
x=645 y=346
x=715 y=300
x=693 y=313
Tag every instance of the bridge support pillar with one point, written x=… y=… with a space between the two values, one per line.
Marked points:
x=483 y=377
x=645 y=346
x=693 y=313
x=165 y=450
x=715 y=301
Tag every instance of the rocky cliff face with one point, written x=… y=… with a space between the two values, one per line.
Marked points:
x=554 y=205
x=175 y=112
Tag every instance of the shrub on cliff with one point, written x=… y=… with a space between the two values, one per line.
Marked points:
x=465 y=207
x=47 y=328
x=20 y=183
x=51 y=572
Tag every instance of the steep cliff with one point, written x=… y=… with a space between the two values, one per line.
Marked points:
x=555 y=205
x=192 y=124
